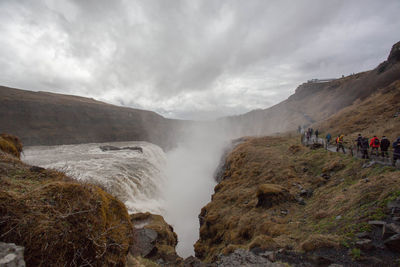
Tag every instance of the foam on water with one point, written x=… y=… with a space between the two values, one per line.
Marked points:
x=133 y=177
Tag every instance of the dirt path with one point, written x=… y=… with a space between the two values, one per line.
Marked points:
x=351 y=151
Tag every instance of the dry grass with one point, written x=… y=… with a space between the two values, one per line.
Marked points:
x=274 y=165
x=10 y=144
x=58 y=221
x=372 y=116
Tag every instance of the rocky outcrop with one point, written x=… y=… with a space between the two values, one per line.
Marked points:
x=114 y=148
x=11 y=255
x=154 y=239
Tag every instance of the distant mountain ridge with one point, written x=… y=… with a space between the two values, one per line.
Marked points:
x=42 y=118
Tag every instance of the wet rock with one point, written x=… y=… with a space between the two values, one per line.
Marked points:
x=306 y=193
x=11 y=255
x=393 y=242
x=326 y=176
x=36 y=169
x=362 y=235
x=242 y=257
x=377 y=223
x=270 y=255
x=369 y=164
x=113 y=148
x=193 y=262
x=143 y=242
x=301 y=201
x=394 y=204
x=389 y=230
x=364 y=244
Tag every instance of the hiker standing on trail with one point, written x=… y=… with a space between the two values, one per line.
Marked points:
x=359 y=140
x=328 y=138
x=396 y=152
x=316 y=134
x=385 y=143
x=364 y=148
x=375 y=144
x=340 y=141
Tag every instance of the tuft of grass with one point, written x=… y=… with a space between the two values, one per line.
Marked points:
x=355 y=253
x=11 y=145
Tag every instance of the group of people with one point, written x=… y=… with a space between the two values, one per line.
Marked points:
x=375 y=144
x=309 y=133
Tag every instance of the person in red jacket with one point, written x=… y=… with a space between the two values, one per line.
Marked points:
x=375 y=144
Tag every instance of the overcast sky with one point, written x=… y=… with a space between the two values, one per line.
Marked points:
x=190 y=59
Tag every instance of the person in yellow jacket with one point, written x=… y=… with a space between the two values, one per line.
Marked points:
x=339 y=142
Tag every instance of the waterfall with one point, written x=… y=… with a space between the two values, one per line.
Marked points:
x=133 y=177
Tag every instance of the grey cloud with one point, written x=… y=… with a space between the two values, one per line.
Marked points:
x=183 y=58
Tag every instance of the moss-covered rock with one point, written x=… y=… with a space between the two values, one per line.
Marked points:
x=61 y=222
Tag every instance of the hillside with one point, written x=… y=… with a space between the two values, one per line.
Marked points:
x=314 y=102
x=41 y=118
x=306 y=207
x=378 y=114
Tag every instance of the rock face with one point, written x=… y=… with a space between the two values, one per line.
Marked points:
x=11 y=255
x=143 y=242
x=154 y=239
x=242 y=257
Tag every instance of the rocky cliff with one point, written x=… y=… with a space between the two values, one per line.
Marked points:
x=41 y=118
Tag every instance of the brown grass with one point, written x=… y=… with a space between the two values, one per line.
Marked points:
x=10 y=144
x=58 y=221
x=268 y=165
x=372 y=116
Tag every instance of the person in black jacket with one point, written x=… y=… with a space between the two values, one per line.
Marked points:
x=364 y=148
x=385 y=143
x=359 y=140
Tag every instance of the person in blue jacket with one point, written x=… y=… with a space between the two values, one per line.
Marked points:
x=396 y=152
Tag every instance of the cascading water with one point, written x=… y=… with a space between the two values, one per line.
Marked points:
x=133 y=177
x=176 y=185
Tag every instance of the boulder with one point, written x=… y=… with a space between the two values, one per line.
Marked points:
x=11 y=255
x=114 y=148
x=364 y=244
x=393 y=242
x=269 y=195
x=192 y=262
x=143 y=242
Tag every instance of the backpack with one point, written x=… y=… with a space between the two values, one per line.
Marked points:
x=376 y=141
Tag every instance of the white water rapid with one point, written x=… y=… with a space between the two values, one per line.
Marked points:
x=133 y=177
x=176 y=184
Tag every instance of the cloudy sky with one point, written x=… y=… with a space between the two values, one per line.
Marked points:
x=190 y=59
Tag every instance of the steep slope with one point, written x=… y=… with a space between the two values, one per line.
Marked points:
x=378 y=115
x=41 y=118
x=316 y=101
x=275 y=194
